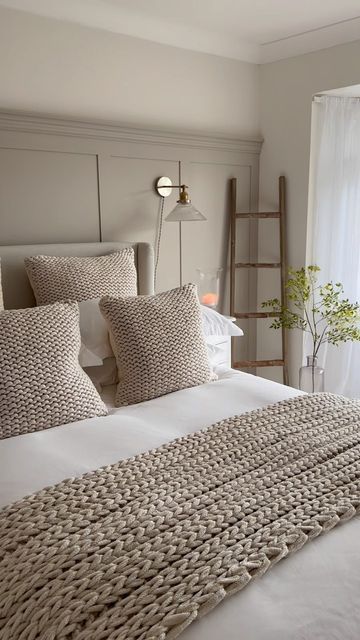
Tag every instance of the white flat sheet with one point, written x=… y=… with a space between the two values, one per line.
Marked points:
x=313 y=595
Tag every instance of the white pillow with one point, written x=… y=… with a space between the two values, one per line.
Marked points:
x=105 y=375
x=214 y=324
x=95 y=344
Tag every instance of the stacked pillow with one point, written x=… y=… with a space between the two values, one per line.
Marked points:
x=41 y=381
x=55 y=279
x=158 y=341
x=87 y=280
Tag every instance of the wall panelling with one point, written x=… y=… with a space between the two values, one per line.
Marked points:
x=65 y=180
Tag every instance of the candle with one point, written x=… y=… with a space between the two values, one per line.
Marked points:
x=210 y=299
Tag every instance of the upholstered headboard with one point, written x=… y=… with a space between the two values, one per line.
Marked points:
x=16 y=287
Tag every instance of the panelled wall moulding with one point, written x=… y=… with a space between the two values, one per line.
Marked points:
x=117 y=132
x=65 y=180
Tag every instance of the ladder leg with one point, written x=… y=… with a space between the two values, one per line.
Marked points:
x=282 y=209
x=232 y=258
x=232 y=245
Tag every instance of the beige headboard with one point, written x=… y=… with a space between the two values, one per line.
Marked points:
x=16 y=287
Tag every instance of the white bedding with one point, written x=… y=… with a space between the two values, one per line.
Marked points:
x=313 y=595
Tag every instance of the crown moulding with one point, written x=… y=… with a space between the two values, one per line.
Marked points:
x=113 y=131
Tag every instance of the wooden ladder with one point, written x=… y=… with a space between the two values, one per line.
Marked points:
x=234 y=266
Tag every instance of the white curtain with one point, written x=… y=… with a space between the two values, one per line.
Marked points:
x=334 y=220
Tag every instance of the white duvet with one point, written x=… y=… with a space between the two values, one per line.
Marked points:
x=313 y=595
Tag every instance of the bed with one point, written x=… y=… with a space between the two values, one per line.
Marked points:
x=312 y=594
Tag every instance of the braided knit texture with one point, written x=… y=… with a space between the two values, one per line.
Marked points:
x=158 y=343
x=41 y=382
x=58 y=278
x=140 y=549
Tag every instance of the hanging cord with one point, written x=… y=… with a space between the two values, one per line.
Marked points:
x=158 y=239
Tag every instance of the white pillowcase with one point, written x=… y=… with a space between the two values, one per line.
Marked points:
x=214 y=324
x=95 y=343
x=87 y=358
x=95 y=347
x=105 y=375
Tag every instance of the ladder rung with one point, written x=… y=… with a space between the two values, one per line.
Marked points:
x=249 y=364
x=258 y=265
x=257 y=314
x=259 y=214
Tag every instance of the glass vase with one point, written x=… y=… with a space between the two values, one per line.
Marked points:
x=209 y=286
x=311 y=377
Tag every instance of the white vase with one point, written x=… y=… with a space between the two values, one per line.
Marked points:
x=312 y=377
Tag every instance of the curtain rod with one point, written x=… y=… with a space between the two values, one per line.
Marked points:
x=319 y=96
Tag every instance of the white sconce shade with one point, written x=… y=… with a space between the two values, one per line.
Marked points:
x=184 y=213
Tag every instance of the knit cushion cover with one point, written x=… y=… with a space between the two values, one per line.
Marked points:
x=58 y=278
x=41 y=382
x=158 y=343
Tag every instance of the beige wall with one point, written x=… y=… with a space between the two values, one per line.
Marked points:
x=58 y=68
x=61 y=68
x=286 y=90
x=54 y=67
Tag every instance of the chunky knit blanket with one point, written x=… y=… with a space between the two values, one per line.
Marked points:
x=139 y=549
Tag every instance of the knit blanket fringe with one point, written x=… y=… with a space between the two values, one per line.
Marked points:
x=140 y=549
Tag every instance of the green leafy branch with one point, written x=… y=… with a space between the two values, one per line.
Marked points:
x=319 y=310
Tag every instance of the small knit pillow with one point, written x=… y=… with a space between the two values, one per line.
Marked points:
x=58 y=278
x=158 y=343
x=41 y=382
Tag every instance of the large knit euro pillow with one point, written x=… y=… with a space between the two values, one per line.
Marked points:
x=158 y=343
x=41 y=382
x=58 y=278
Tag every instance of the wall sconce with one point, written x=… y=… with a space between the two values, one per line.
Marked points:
x=184 y=211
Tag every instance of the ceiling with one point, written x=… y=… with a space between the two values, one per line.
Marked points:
x=251 y=30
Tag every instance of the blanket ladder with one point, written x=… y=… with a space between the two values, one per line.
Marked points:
x=280 y=214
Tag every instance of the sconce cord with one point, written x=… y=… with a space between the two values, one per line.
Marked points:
x=158 y=239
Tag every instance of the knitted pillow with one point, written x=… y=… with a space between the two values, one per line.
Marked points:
x=158 y=343
x=55 y=278
x=41 y=382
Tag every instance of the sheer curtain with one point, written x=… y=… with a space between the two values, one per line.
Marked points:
x=335 y=221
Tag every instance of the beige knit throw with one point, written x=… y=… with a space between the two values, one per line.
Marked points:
x=139 y=549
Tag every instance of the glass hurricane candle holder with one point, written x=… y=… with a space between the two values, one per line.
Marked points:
x=209 y=286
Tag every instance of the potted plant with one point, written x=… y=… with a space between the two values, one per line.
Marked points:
x=321 y=311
